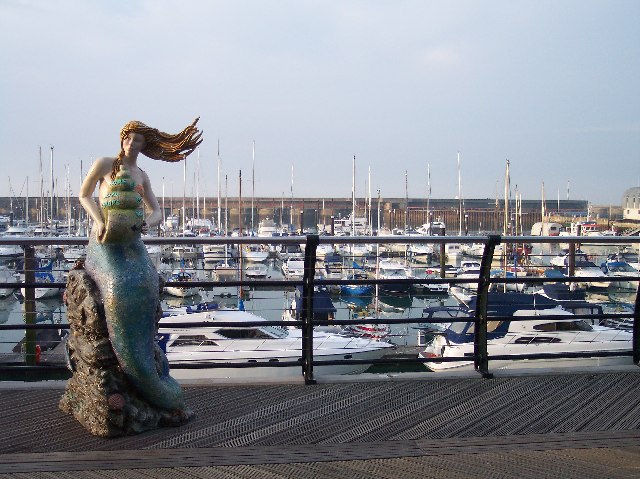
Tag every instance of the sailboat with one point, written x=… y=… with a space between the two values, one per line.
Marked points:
x=453 y=251
x=545 y=228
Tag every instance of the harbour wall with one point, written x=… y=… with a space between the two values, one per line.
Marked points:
x=478 y=215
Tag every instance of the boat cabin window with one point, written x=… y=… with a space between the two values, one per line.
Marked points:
x=622 y=268
x=584 y=310
x=243 y=333
x=460 y=327
x=193 y=340
x=578 y=325
x=584 y=264
x=536 y=340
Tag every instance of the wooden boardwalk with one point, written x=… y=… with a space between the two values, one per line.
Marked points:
x=583 y=425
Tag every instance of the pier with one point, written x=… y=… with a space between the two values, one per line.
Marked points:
x=571 y=422
x=583 y=424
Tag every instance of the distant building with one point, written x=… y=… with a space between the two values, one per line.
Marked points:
x=631 y=204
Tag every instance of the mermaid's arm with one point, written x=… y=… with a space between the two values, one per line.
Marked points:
x=100 y=168
x=151 y=202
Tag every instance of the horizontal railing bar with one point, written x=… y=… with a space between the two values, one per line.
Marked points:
x=326 y=239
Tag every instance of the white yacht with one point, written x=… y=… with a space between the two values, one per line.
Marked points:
x=552 y=329
x=390 y=269
x=293 y=268
x=256 y=271
x=255 y=253
x=8 y=251
x=182 y=275
x=266 y=228
x=583 y=268
x=211 y=344
x=625 y=274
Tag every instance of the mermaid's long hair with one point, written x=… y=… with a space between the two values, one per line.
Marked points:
x=159 y=145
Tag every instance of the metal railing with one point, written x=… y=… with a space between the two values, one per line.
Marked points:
x=481 y=358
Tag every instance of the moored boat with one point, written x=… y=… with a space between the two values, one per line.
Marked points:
x=550 y=329
x=209 y=345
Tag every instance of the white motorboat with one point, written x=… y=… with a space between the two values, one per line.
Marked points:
x=212 y=344
x=255 y=253
x=182 y=275
x=400 y=248
x=7 y=276
x=266 y=228
x=452 y=252
x=185 y=252
x=475 y=250
x=8 y=251
x=583 y=268
x=550 y=330
x=433 y=228
x=431 y=288
x=225 y=272
x=293 y=268
x=256 y=271
x=73 y=253
x=358 y=250
x=625 y=274
x=216 y=253
x=469 y=269
x=323 y=250
x=420 y=252
x=543 y=228
x=287 y=251
x=390 y=269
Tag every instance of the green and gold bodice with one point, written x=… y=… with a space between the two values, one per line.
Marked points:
x=122 y=209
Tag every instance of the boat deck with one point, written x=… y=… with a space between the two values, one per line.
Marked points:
x=584 y=424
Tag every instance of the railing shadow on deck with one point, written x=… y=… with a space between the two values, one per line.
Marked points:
x=309 y=282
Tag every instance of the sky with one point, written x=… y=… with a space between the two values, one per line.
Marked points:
x=405 y=86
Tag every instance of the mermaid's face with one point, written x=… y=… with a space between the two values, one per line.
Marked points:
x=133 y=144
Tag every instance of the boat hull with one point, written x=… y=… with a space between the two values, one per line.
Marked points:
x=276 y=372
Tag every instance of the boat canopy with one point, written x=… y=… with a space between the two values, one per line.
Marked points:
x=322 y=305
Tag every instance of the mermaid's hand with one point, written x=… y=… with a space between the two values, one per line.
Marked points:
x=100 y=230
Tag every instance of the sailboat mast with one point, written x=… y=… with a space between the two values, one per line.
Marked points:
x=164 y=219
x=370 y=201
x=198 y=187
x=52 y=187
x=542 y=205
x=428 y=193
x=226 y=210
x=459 y=197
x=184 y=193
x=506 y=200
x=406 y=201
x=353 y=196
x=26 y=204
x=240 y=204
x=516 y=219
x=219 y=212
x=42 y=188
x=291 y=209
x=68 y=201
x=253 y=182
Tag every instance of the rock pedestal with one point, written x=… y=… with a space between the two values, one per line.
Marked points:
x=99 y=395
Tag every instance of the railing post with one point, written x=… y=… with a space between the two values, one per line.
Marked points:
x=572 y=260
x=480 y=354
x=636 y=329
x=443 y=260
x=30 y=305
x=307 y=307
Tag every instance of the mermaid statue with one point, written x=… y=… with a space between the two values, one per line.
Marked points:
x=117 y=259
